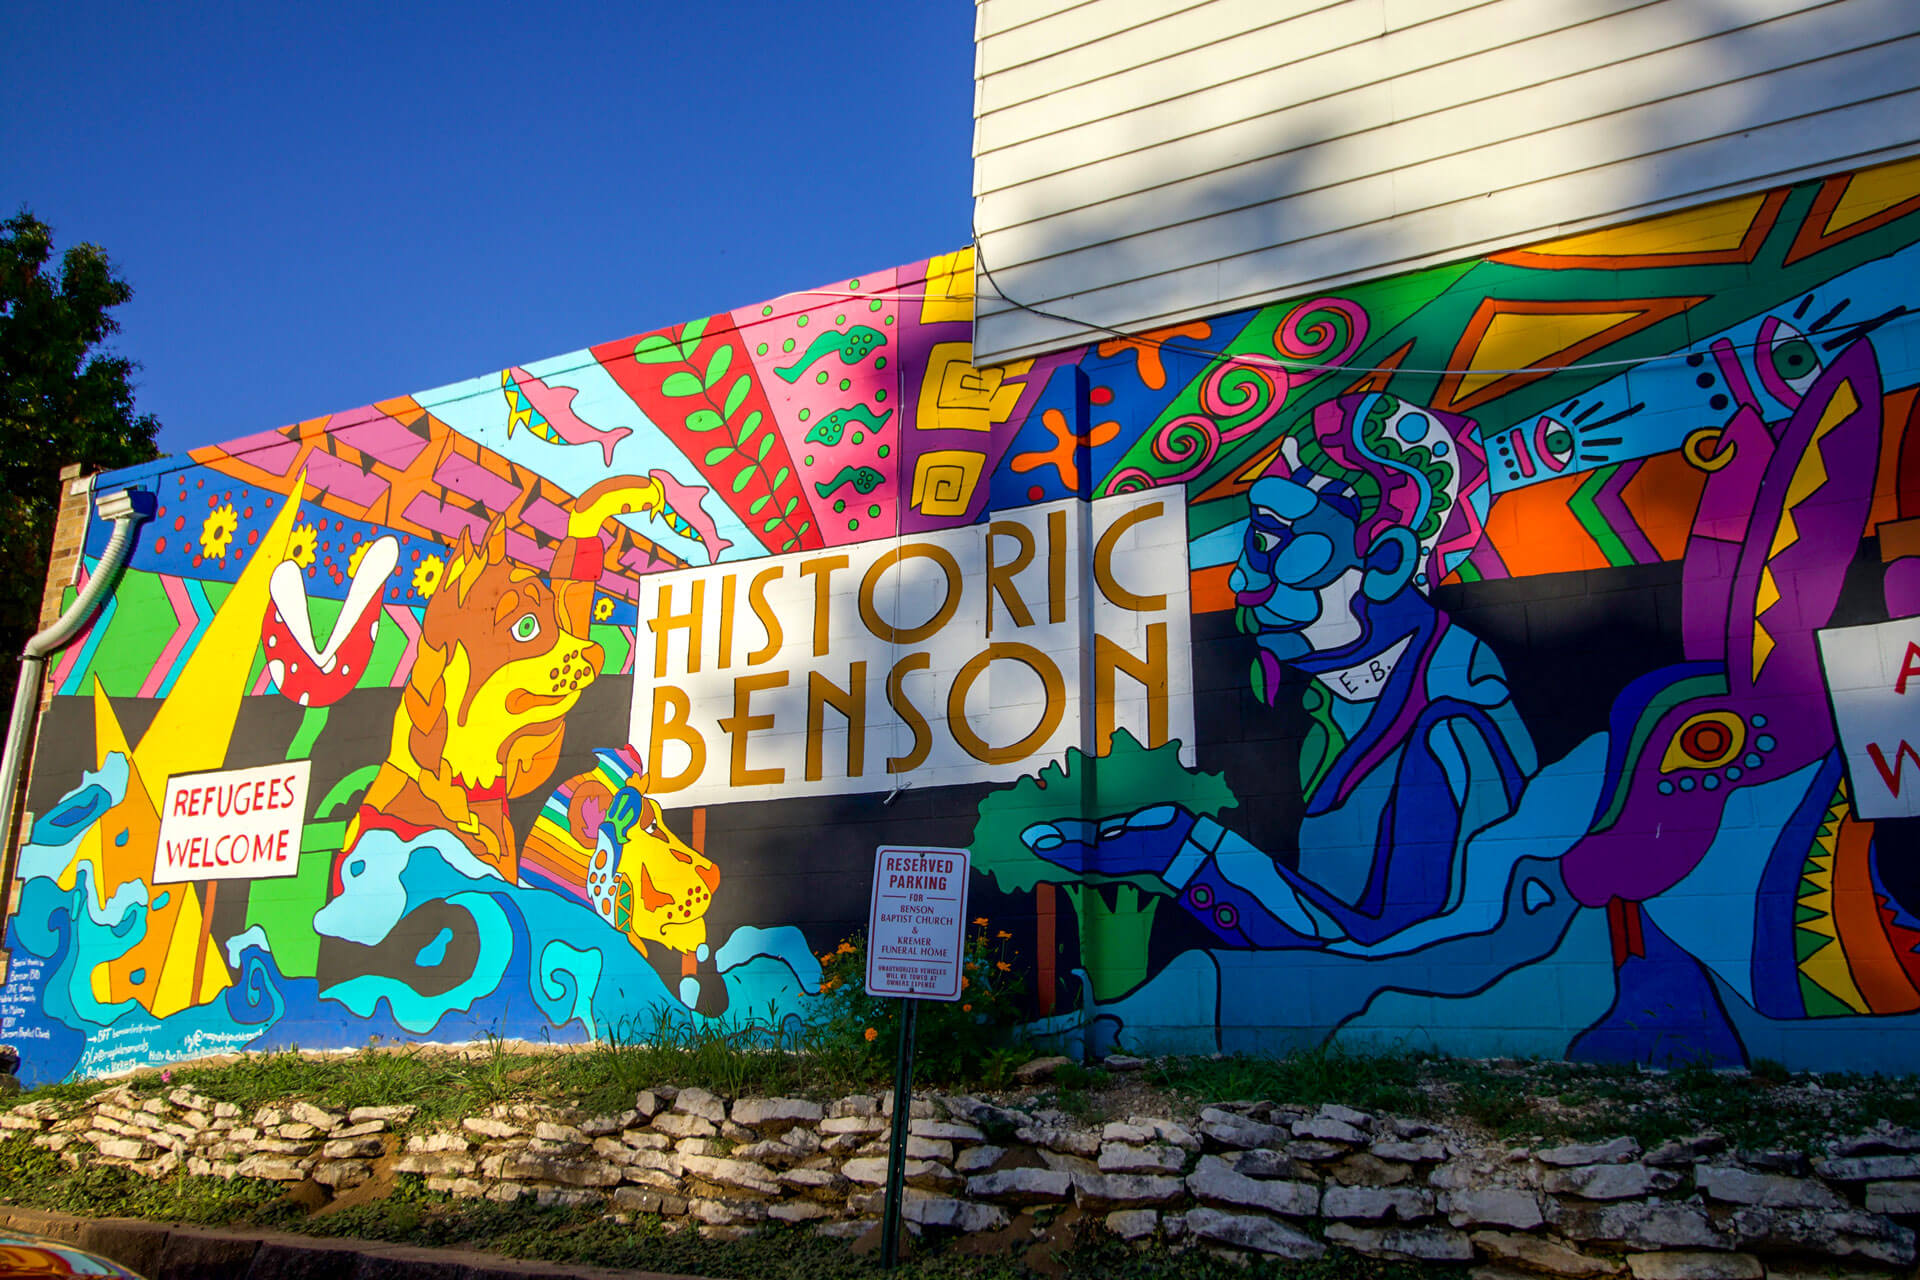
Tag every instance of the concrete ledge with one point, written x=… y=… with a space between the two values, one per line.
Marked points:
x=163 y=1251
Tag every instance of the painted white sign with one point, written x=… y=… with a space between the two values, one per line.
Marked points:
x=233 y=824
x=1873 y=683
x=917 y=923
x=976 y=654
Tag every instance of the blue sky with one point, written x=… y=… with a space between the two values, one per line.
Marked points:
x=319 y=206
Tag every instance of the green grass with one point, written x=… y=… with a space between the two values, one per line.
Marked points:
x=1369 y=1082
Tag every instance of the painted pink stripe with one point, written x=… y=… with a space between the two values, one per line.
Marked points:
x=64 y=667
x=403 y=618
x=188 y=617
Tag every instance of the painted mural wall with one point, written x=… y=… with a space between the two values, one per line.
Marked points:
x=1506 y=657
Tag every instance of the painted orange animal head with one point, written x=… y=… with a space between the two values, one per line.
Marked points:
x=504 y=657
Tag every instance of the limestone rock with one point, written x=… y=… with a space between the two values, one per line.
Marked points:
x=1685 y=1265
x=576 y=1173
x=342 y=1174
x=1893 y=1197
x=1101 y=1192
x=1410 y=1152
x=1685 y=1151
x=1121 y=1157
x=490 y=1128
x=1364 y=1169
x=1769 y=1190
x=562 y=1134
x=1133 y=1224
x=945 y=1131
x=353 y=1149
x=307 y=1113
x=1346 y=1115
x=798 y=1211
x=1844 y=1234
x=392 y=1115
x=698 y=1102
x=1216 y=1181
x=1640 y=1226
x=1538 y=1254
x=1618 y=1151
x=646 y=1200
x=1868 y=1168
x=1609 y=1181
x=1249 y=1231
x=436 y=1163
x=978 y=1159
x=681 y=1125
x=1326 y=1129
x=1495 y=1207
x=1224 y=1129
x=1376 y=1204
x=272 y=1168
x=742 y=1175
x=776 y=1115
x=1262 y=1163
x=1410 y=1244
x=716 y=1212
x=1056 y=1138
x=1883 y=1141
x=946 y=1213
x=1021 y=1186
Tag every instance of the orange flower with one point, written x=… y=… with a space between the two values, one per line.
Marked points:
x=966 y=1008
x=1003 y=935
x=830 y=984
x=872 y=1034
x=1002 y=966
x=981 y=921
x=844 y=949
x=963 y=984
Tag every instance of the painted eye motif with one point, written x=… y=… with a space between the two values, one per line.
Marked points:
x=526 y=628
x=1553 y=442
x=1705 y=741
x=1265 y=541
x=1786 y=360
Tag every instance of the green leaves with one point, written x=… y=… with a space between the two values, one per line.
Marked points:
x=753 y=435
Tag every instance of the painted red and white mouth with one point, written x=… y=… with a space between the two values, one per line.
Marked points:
x=307 y=673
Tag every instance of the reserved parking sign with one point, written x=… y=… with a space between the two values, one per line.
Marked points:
x=917 y=924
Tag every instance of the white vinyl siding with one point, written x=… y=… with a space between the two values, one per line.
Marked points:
x=1142 y=162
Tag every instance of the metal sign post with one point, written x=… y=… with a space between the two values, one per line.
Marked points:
x=916 y=949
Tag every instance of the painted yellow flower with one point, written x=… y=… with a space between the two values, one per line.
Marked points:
x=301 y=546
x=872 y=1035
x=426 y=578
x=218 y=530
x=359 y=554
x=603 y=608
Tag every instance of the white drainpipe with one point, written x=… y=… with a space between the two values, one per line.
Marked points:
x=127 y=509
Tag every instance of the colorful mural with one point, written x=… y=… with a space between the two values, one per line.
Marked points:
x=1506 y=657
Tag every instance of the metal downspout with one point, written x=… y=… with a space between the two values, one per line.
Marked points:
x=127 y=509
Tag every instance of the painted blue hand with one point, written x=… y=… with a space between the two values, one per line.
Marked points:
x=1142 y=843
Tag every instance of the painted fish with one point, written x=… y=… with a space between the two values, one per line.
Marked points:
x=853 y=346
x=830 y=428
x=864 y=479
x=683 y=514
x=548 y=413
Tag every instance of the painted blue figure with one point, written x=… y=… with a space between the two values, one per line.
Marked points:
x=1415 y=844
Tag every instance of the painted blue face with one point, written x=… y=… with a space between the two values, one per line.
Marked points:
x=1299 y=542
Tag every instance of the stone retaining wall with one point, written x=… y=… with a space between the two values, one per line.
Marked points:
x=1258 y=1177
